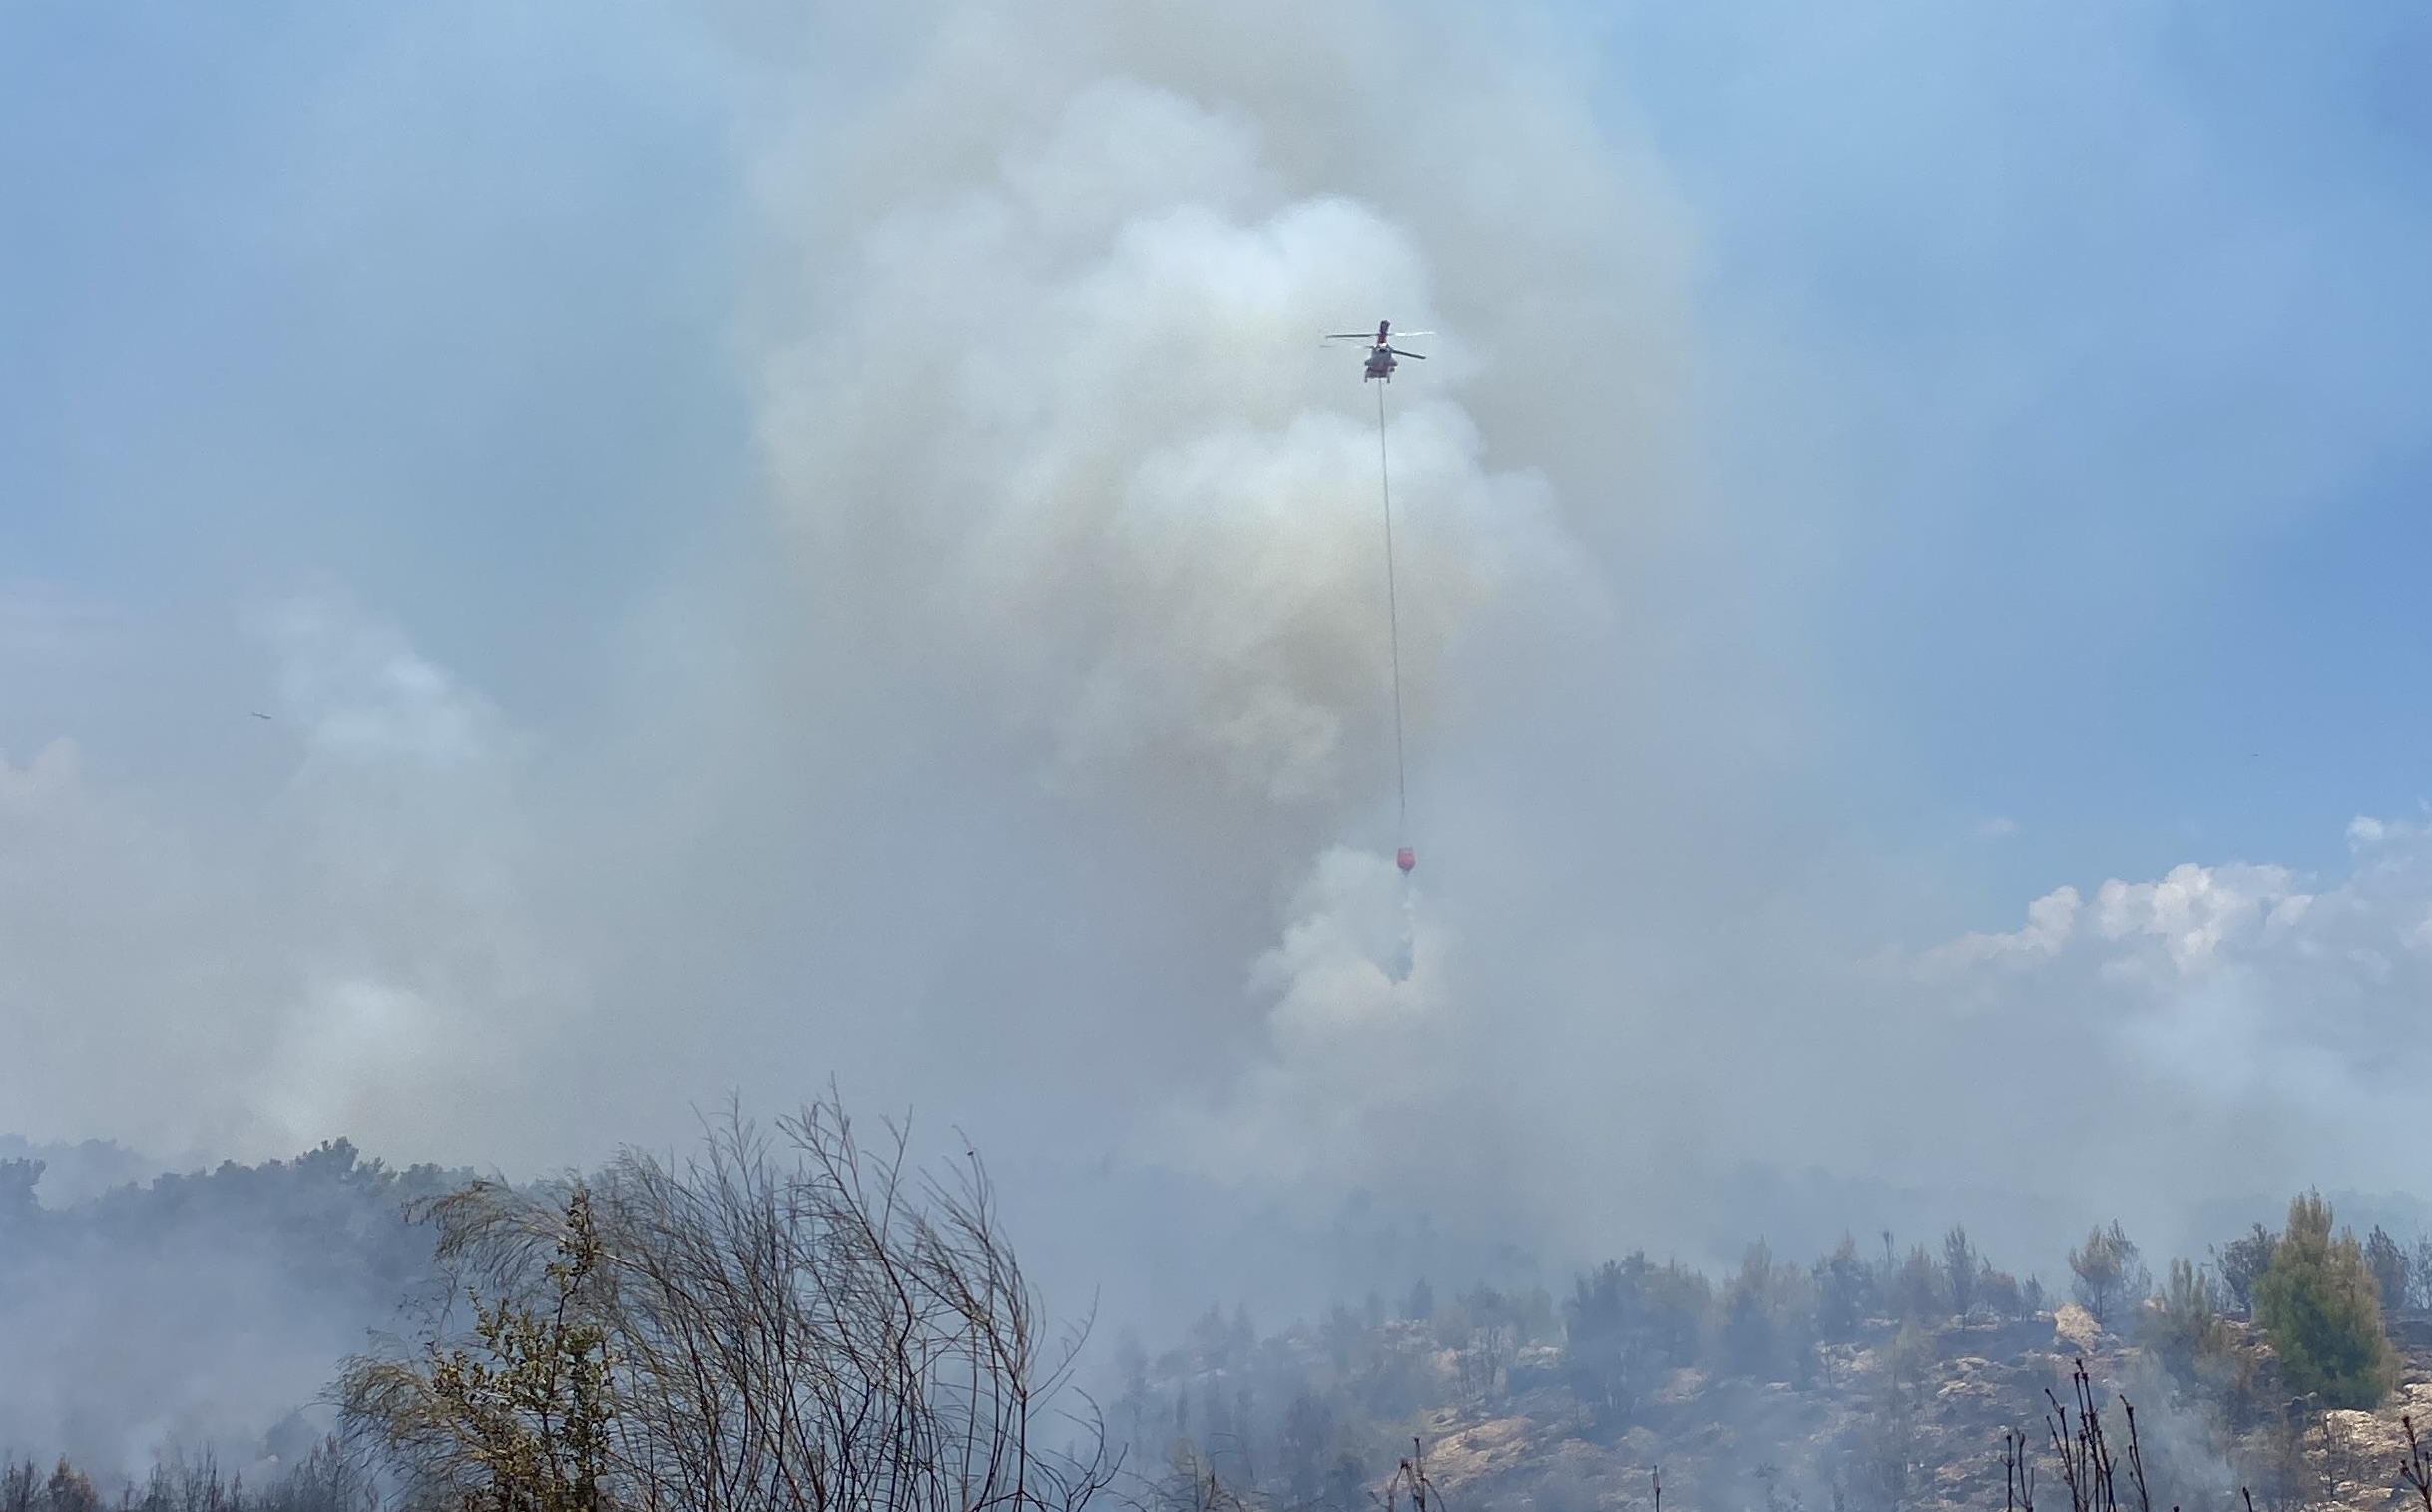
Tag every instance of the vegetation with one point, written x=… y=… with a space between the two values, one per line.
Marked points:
x=2109 y=1272
x=2319 y=1309
x=325 y=1480
x=795 y=1323
x=798 y=1320
x=2185 y=1329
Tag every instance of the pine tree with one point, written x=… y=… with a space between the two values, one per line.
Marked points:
x=2318 y=1306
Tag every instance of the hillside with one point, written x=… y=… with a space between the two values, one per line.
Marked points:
x=1512 y=1411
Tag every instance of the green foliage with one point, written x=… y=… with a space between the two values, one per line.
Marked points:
x=2318 y=1308
x=2391 y=1265
x=2242 y=1262
x=520 y=1415
x=2185 y=1330
x=2110 y=1276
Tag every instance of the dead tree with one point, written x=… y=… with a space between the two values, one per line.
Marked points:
x=1411 y=1484
x=2018 y=1474
x=800 y=1323
x=2087 y=1469
x=2416 y=1468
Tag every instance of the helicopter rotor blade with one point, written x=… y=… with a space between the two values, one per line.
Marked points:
x=1415 y=357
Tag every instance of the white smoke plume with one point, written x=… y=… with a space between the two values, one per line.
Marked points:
x=1062 y=442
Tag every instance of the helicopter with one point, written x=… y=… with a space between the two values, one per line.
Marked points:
x=1382 y=350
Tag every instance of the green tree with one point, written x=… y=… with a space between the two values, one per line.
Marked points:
x=2242 y=1264
x=2318 y=1308
x=2186 y=1330
x=2109 y=1272
x=518 y=1418
x=2391 y=1265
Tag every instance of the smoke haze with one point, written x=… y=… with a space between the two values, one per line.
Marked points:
x=781 y=545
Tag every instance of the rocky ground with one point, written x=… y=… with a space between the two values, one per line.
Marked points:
x=1849 y=1439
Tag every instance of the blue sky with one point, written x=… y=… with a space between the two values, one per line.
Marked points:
x=2126 y=311
x=436 y=309
x=2053 y=387
x=2120 y=306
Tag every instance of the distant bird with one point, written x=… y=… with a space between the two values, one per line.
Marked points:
x=258 y=714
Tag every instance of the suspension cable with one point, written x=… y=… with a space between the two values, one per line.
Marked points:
x=1394 y=621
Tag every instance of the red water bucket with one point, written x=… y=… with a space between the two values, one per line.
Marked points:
x=1407 y=859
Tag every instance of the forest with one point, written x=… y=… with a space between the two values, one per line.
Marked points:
x=798 y=1316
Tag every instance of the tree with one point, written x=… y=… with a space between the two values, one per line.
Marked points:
x=1917 y=1288
x=1768 y=1320
x=1680 y=1304
x=1844 y=1291
x=1603 y=1344
x=2108 y=1273
x=2242 y=1262
x=2185 y=1329
x=2390 y=1268
x=1306 y=1440
x=1625 y=1324
x=749 y=1331
x=2002 y=1297
x=1961 y=1268
x=70 y=1491
x=518 y=1418
x=18 y=1179
x=2317 y=1306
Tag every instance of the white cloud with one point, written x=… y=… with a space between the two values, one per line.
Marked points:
x=2236 y=985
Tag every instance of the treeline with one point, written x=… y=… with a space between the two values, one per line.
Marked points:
x=2279 y=1325
x=1317 y=1413
x=800 y=1320
x=206 y=1305
x=326 y=1479
x=329 y=1219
